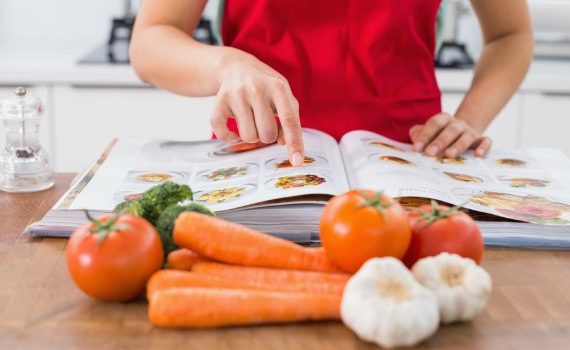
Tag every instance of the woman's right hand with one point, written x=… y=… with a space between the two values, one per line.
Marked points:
x=254 y=94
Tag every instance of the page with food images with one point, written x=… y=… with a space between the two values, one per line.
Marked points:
x=529 y=185
x=222 y=175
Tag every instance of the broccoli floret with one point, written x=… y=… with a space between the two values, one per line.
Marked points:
x=165 y=223
x=158 y=198
x=133 y=207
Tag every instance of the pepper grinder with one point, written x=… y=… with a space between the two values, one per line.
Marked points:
x=24 y=165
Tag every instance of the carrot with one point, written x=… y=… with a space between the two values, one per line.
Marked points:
x=268 y=275
x=321 y=251
x=209 y=307
x=167 y=279
x=236 y=244
x=182 y=259
x=317 y=250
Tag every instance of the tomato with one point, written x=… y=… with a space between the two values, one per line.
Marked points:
x=439 y=229
x=360 y=225
x=112 y=258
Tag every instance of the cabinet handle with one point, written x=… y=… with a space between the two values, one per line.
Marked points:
x=556 y=94
x=13 y=86
x=107 y=87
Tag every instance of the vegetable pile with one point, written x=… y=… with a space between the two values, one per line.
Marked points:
x=238 y=276
x=385 y=302
x=391 y=275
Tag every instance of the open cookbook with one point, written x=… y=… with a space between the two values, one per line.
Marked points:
x=523 y=194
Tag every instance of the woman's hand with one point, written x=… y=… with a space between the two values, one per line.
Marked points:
x=254 y=94
x=445 y=135
x=502 y=65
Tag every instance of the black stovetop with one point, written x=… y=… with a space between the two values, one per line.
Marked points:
x=116 y=50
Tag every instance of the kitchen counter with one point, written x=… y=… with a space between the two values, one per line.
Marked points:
x=56 y=63
x=41 y=308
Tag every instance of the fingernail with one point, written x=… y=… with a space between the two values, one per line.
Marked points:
x=480 y=152
x=432 y=150
x=452 y=153
x=418 y=146
x=296 y=159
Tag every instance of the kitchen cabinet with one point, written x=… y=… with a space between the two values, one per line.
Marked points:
x=81 y=120
x=87 y=118
x=504 y=129
x=545 y=120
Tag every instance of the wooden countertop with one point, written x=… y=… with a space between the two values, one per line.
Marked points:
x=41 y=308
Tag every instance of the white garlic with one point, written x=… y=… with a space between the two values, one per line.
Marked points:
x=384 y=304
x=461 y=286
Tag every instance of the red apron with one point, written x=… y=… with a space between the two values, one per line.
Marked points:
x=352 y=64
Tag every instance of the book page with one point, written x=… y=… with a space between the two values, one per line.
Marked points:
x=527 y=185
x=376 y=162
x=223 y=176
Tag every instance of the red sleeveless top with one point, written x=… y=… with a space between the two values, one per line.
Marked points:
x=351 y=64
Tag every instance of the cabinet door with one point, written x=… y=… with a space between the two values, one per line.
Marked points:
x=546 y=120
x=88 y=118
x=504 y=129
x=46 y=126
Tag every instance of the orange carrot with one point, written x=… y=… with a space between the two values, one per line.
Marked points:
x=167 y=279
x=210 y=307
x=317 y=250
x=182 y=259
x=268 y=275
x=321 y=251
x=236 y=244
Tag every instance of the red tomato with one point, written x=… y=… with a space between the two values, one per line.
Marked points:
x=111 y=259
x=439 y=229
x=360 y=225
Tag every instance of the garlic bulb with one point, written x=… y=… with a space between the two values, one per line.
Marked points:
x=384 y=304
x=461 y=286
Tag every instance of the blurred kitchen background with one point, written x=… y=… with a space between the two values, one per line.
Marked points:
x=73 y=54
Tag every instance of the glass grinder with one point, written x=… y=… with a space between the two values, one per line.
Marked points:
x=24 y=165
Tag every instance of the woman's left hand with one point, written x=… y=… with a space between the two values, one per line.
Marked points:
x=446 y=135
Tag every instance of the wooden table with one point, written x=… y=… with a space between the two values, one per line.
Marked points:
x=41 y=308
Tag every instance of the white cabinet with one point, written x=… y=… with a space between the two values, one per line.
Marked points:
x=504 y=129
x=88 y=118
x=81 y=120
x=545 y=120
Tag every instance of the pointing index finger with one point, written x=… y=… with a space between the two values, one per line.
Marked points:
x=291 y=125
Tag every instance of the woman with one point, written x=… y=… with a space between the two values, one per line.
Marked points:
x=336 y=66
